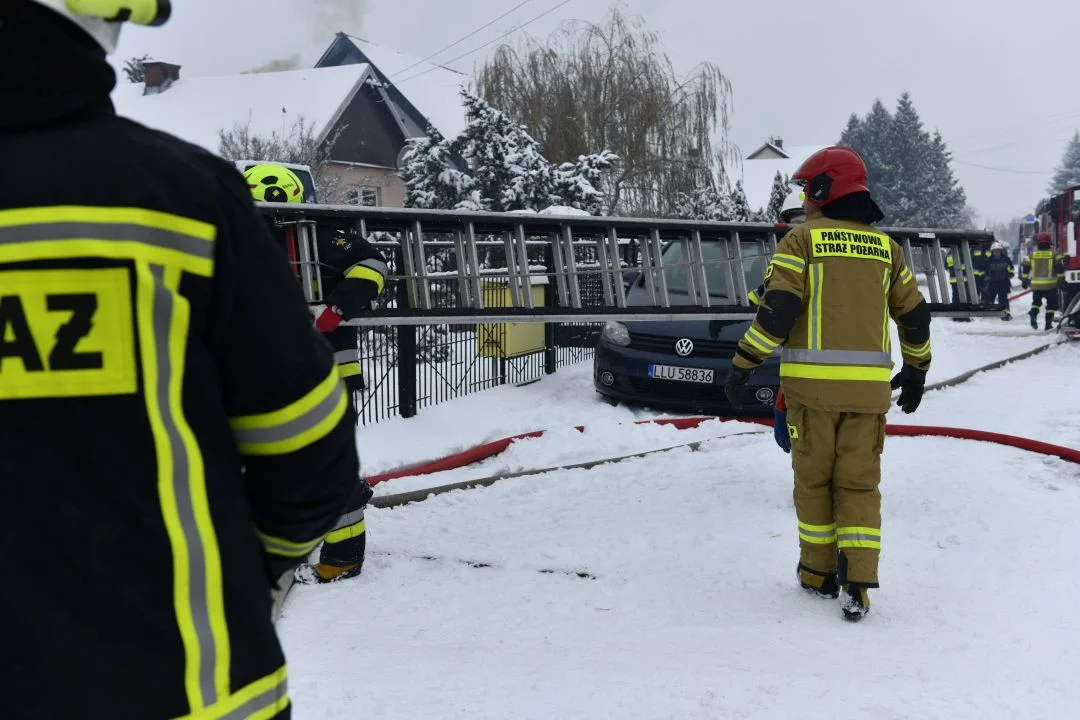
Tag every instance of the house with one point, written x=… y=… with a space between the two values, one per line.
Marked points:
x=760 y=167
x=358 y=107
x=416 y=91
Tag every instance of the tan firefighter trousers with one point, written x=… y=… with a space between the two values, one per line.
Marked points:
x=837 y=461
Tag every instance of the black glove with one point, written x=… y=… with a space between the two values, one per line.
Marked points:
x=735 y=384
x=910 y=381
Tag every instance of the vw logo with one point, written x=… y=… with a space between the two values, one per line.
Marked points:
x=684 y=346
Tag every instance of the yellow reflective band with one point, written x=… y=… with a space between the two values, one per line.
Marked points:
x=754 y=298
x=361 y=272
x=347 y=533
x=813 y=317
x=65 y=232
x=917 y=351
x=905 y=275
x=792 y=262
x=835 y=372
x=295 y=426
x=350 y=368
x=818 y=534
x=760 y=340
x=851 y=244
x=858 y=537
x=886 y=336
x=163 y=317
x=263 y=699
x=286 y=548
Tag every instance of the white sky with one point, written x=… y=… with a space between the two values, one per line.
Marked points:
x=998 y=79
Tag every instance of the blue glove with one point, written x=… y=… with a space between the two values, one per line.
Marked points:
x=780 y=431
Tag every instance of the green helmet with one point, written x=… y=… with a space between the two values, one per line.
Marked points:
x=274 y=183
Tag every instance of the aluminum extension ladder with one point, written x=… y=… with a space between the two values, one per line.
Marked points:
x=579 y=253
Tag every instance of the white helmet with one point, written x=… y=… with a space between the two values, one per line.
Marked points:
x=101 y=19
x=996 y=245
x=793 y=205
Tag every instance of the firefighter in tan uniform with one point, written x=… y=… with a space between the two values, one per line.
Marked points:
x=833 y=285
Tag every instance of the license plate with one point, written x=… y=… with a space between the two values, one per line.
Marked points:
x=683 y=374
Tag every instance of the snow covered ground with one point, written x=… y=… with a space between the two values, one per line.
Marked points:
x=471 y=604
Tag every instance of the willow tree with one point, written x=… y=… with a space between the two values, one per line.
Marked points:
x=611 y=86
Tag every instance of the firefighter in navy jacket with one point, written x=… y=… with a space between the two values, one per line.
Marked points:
x=166 y=450
x=352 y=273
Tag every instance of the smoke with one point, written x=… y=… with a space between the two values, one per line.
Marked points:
x=326 y=17
x=279 y=65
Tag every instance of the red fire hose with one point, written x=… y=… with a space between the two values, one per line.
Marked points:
x=1019 y=295
x=491 y=449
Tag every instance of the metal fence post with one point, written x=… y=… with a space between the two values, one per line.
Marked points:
x=407 y=356
x=551 y=299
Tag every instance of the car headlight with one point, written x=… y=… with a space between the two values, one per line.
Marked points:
x=616 y=334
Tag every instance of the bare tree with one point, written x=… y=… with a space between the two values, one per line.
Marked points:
x=298 y=146
x=612 y=86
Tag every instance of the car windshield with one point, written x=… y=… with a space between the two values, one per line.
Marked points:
x=675 y=267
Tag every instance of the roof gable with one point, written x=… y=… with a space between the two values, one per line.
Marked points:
x=768 y=151
x=416 y=92
x=757 y=175
x=197 y=109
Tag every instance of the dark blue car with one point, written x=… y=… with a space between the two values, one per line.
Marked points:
x=682 y=365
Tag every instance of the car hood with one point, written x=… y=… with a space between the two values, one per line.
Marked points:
x=722 y=330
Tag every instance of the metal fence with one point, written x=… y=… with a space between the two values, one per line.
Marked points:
x=407 y=368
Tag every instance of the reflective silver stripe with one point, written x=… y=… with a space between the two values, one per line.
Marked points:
x=261 y=701
x=824 y=534
x=858 y=538
x=345 y=356
x=286 y=431
x=350 y=518
x=162 y=313
x=871 y=358
x=108 y=232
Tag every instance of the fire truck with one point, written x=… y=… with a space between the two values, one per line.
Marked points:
x=1059 y=215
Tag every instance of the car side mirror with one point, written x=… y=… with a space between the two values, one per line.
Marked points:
x=630 y=278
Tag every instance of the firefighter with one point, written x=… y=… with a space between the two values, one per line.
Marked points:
x=999 y=274
x=831 y=283
x=352 y=273
x=1042 y=270
x=167 y=451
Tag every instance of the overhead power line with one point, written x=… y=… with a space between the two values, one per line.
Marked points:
x=490 y=42
x=460 y=40
x=1003 y=170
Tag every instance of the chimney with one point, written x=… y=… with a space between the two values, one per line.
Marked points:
x=778 y=142
x=159 y=76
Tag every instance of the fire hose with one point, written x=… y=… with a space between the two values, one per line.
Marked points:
x=491 y=449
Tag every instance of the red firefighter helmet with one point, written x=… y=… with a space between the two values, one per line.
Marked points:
x=1043 y=238
x=832 y=173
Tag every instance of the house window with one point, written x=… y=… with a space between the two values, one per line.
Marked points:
x=363 y=195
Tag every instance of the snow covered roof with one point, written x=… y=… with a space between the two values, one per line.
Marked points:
x=433 y=90
x=195 y=109
x=757 y=175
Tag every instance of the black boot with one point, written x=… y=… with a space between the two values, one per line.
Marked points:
x=1033 y=313
x=824 y=585
x=1049 y=320
x=855 y=602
